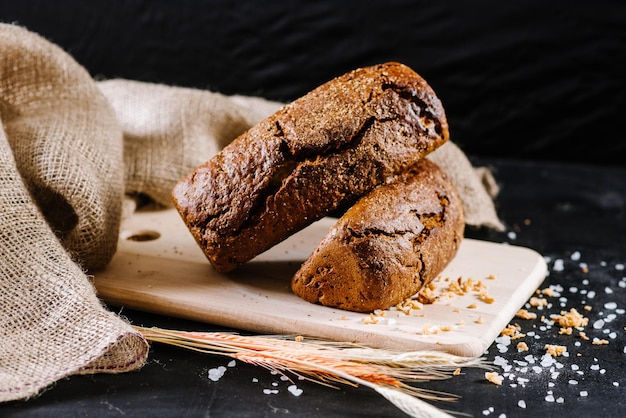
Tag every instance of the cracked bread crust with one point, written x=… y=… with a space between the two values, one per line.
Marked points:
x=386 y=247
x=315 y=155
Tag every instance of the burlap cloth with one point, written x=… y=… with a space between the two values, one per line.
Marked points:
x=71 y=149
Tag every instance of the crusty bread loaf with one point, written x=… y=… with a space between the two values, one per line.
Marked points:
x=386 y=247
x=315 y=155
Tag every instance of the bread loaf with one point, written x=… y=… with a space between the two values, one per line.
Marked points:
x=386 y=247
x=317 y=154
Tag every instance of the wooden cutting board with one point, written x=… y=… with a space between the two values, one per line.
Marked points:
x=159 y=268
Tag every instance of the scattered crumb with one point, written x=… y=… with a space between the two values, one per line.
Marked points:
x=555 y=350
x=370 y=319
x=565 y=331
x=494 y=378
x=513 y=331
x=570 y=319
x=486 y=298
x=522 y=346
x=524 y=314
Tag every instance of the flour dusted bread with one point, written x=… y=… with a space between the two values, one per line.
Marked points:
x=317 y=154
x=386 y=247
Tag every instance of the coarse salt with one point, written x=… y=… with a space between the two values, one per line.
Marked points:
x=270 y=391
x=558 y=265
x=294 y=390
x=216 y=373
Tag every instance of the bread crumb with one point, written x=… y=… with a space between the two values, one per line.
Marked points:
x=299 y=338
x=522 y=346
x=571 y=319
x=583 y=336
x=587 y=308
x=479 y=320
x=370 y=319
x=486 y=298
x=524 y=314
x=565 y=331
x=427 y=295
x=599 y=342
x=456 y=372
x=472 y=306
x=494 y=378
x=513 y=331
x=534 y=301
x=555 y=350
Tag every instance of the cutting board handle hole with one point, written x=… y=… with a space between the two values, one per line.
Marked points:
x=141 y=235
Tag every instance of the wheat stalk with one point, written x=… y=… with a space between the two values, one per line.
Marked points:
x=329 y=362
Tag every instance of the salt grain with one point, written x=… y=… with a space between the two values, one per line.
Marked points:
x=522 y=404
x=294 y=390
x=558 y=265
x=610 y=305
x=216 y=373
x=584 y=393
x=599 y=324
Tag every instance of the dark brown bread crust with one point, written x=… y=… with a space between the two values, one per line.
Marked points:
x=386 y=247
x=317 y=154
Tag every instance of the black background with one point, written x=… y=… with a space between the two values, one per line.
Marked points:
x=529 y=79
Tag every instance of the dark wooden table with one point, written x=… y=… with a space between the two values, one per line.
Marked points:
x=574 y=215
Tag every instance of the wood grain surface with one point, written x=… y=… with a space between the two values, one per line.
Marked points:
x=159 y=268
